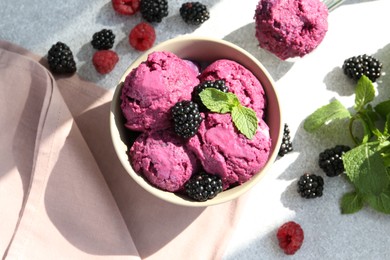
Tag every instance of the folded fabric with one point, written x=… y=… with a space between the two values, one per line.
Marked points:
x=64 y=193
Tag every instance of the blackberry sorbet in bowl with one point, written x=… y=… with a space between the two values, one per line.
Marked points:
x=196 y=121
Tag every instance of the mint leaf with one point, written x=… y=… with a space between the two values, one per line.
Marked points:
x=366 y=117
x=365 y=167
x=364 y=92
x=380 y=202
x=218 y=101
x=324 y=115
x=351 y=202
x=383 y=108
x=386 y=130
x=384 y=149
x=245 y=120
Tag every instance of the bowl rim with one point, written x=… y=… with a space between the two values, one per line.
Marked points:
x=169 y=196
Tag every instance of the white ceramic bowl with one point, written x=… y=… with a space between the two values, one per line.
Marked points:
x=201 y=50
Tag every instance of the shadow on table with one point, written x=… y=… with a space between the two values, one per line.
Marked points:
x=339 y=83
x=310 y=145
x=349 y=2
x=245 y=38
x=121 y=25
x=151 y=222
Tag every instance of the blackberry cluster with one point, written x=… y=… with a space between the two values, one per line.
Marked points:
x=217 y=84
x=367 y=65
x=194 y=13
x=286 y=145
x=330 y=160
x=60 y=59
x=103 y=40
x=154 y=10
x=203 y=186
x=310 y=186
x=186 y=118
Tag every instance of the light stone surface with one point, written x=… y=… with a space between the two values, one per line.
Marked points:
x=356 y=27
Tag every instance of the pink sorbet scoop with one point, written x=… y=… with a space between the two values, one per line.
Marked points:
x=151 y=89
x=290 y=28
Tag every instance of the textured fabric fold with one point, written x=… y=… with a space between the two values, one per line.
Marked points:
x=65 y=209
x=159 y=230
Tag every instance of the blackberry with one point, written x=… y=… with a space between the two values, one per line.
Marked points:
x=310 y=186
x=357 y=66
x=194 y=13
x=217 y=84
x=60 y=59
x=186 y=118
x=330 y=160
x=154 y=10
x=286 y=145
x=203 y=186
x=103 y=40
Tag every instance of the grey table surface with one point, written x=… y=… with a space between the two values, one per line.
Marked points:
x=356 y=27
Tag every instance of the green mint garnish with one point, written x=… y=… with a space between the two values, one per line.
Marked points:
x=367 y=165
x=351 y=202
x=243 y=118
x=383 y=109
x=218 y=101
x=380 y=202
x=364 y=93
x=360 y=164
x=325 y=115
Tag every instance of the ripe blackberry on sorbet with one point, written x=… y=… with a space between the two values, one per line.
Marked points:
x=203 y=186
x=186 y=118
x=217 y=84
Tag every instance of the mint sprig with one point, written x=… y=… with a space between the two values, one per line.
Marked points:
x=367 y=165
x=244 y=118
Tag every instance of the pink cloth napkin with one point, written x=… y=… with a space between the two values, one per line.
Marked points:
x=64 y=193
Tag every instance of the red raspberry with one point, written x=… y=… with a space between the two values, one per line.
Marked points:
x=142 y=36
x=126 y=7
x=290 y=236
x=104 y=61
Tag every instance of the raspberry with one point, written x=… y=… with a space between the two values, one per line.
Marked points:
x=203 y=186
x=60 y=59
x=290 y=236
x=104 y=61
x=126 y=7
x=142 y=36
